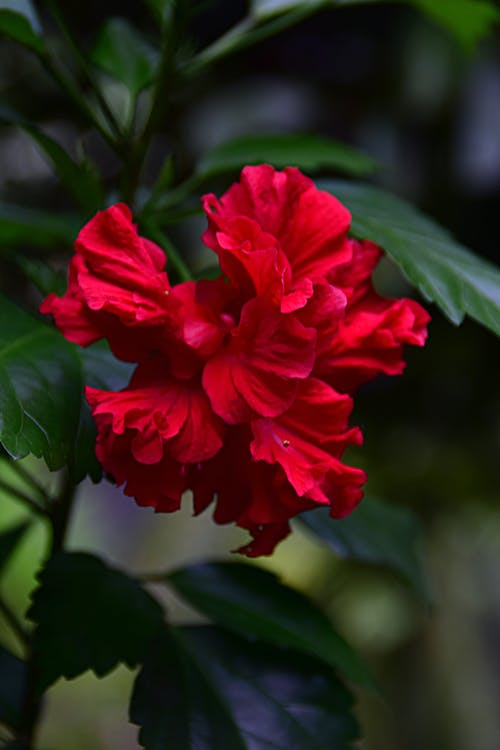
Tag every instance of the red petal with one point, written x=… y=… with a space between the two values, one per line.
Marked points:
x=256 y=372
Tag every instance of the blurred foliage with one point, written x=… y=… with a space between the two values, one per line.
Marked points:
x=392 y=84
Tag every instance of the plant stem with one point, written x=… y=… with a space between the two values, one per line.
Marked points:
x=80 y=104
x=164 y=86
x=84 y=66
x=60 y=516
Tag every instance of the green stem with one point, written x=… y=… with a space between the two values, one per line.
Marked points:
x=33 y=702
x=165 y=84
x=174 y=258
x=84 y=66
x=24 y=498
x=13 y=622
x=78 y=100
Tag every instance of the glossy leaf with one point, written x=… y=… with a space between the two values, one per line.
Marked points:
x=253 y=602
x=12 y=680
x=444 y=271
x=205 y=689
x=26 y=226
x=376 y=533
x=89 y=615
x=9 y=539
x=308 y=152
x=40 y=388
x=124 y=55
x=19 y=26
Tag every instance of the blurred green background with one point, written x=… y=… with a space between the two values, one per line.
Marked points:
x=387 y=80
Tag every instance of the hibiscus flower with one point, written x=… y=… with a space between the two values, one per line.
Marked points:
x=243 y=386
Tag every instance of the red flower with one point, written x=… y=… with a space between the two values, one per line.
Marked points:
x=241 y=387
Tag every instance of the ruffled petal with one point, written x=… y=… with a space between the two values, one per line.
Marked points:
x=257 y=370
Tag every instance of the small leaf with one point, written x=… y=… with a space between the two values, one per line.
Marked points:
x=9 y=540
x=18 y=27
x=40 y=388
x=204 y=689
x=124 y=55
x=252 y=602
x=468 y=20
x=308 y=152
x=89 y=616
x=376 y=533
x=12 y=681
x=444 y=271
x=32 y=228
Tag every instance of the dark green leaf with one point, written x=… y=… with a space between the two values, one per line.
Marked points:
x=101 y=370
x=26 y=226
x=204 y=689
x=444 y=271
x=9 y=540
x=123 y=54
x=40 y=388
x=89 y=616
x=467 y=20
x=308 y=152
x=253 y=602
x=80 y=179
x=12 y=679
x=18 y=27
x=376 y=533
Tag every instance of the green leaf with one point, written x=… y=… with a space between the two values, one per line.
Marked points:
x=19 y=27
x=308 y=152
x=468 y=20
x=40 y=388
x=252 y=602
x=204 y=689
x=444 y=271
x=81 y=179
x=9 y=540
x=12 y=681
x=376 y=533
x=123 y=54
x=32 y=228
x=89 y=616
x=101 y=370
